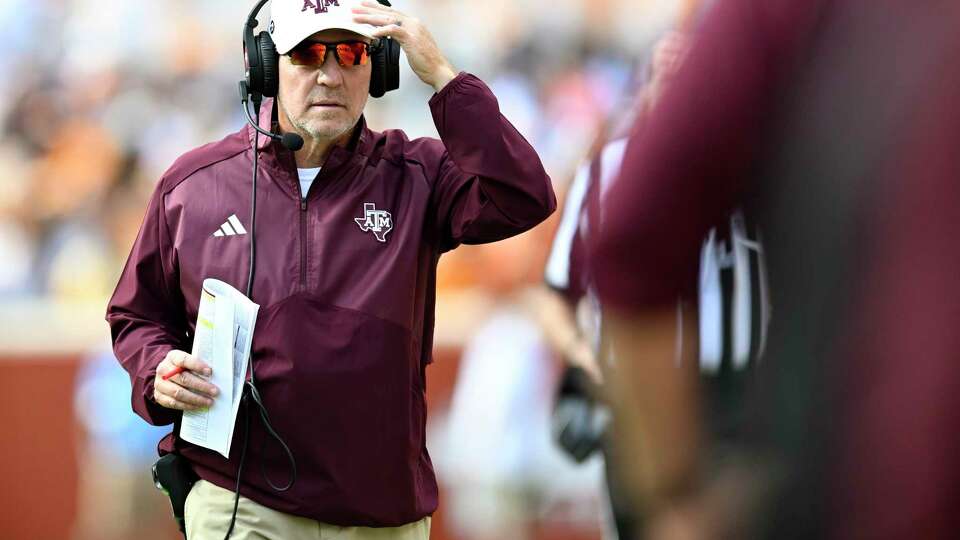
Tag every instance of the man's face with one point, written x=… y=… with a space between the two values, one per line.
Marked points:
x=323 y=102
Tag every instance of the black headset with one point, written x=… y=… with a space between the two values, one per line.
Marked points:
x=263 y=60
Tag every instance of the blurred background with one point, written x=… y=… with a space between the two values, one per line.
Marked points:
x=102 y=95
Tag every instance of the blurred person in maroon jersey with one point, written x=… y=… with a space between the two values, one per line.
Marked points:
x=730 y=307
x=837 y=123
x=567 y=309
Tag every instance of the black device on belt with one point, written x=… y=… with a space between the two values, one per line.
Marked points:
x=172 y=475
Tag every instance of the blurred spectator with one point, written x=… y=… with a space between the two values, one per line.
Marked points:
x=87 y=112
x=16 y=241
x=503 y=473
x=115 y=461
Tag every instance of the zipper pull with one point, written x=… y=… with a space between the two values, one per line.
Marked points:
x=303 y=205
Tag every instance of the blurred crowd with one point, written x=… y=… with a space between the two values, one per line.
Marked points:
x=103 y=95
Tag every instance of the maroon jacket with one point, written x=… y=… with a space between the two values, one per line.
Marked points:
x=345 y=328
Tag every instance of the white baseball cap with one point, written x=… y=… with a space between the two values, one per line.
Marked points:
x=292 y=21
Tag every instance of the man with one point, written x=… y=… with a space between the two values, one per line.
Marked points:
x=569 y=309
x=351 y=227
x=793 y=109
x=729 y=306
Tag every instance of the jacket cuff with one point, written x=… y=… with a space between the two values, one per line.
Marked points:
x=456 y=81
x=145 y=406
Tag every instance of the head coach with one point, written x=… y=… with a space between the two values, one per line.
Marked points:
x=348 y=225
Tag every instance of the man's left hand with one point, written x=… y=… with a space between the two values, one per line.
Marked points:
x=424 y=56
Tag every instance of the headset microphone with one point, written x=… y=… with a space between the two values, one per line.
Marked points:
x=290 y=141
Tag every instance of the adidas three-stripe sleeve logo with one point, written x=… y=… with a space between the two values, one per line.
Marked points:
x=231 y=227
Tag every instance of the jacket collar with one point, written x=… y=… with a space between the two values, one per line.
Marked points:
x=362 y=141
x=281 y=161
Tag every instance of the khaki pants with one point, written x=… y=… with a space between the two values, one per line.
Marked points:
x=209 y=507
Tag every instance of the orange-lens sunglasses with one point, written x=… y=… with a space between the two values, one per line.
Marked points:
x=347 y=53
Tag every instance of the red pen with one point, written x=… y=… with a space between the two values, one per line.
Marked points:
x=175 y=371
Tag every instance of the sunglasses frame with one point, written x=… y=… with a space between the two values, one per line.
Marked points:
x=331 y=46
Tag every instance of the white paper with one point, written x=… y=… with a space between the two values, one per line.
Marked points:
x=222 y=339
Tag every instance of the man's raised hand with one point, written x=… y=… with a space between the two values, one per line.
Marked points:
x=424 y=56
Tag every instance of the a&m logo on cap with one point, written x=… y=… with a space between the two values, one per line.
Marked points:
x=319 y=6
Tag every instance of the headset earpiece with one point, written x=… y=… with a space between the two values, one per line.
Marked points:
x=270 y=62
x=377 y=73
x=262 y=59
x=393 y=65
x=254 y=66
x=385 y=68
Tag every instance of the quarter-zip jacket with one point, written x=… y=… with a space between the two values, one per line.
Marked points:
x=346 y=283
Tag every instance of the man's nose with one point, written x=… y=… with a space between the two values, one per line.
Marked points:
x=330 y=72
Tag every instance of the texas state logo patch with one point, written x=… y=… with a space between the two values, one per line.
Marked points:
x=378 y=222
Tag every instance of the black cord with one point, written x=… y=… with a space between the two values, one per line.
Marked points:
x=251 y=385
x=253 y=202
x=250 y=392
x=243 y=457
x=255 y=395
x=253 y=255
